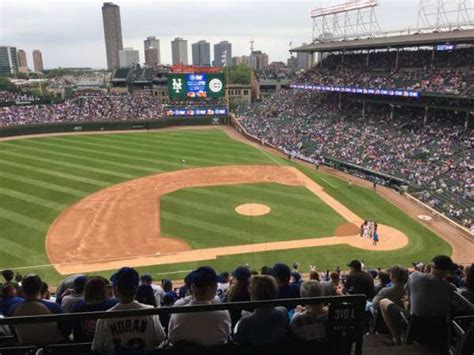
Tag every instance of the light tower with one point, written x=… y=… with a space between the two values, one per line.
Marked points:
x=445 y=15
x=350 y=19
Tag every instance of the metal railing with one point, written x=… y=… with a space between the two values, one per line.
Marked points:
x=345 y=322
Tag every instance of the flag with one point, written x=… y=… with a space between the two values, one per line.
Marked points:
x=224 y=57
x=291 y=42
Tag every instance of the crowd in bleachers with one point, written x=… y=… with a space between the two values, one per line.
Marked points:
x=276 y=71
x=11 y=98
x=447 y=72
x=423 y=295
x=436 y=158
x=91 y=106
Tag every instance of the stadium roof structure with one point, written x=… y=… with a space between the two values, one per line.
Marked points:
x=400 y=41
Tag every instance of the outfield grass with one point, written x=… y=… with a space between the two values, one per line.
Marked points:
x=39 y=177
x=206 y=217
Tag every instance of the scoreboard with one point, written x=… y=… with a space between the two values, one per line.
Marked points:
x=186 y=86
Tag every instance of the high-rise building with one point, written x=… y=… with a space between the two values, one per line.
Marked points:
x=201 y=53
x=112 y=33
x=152 y=51
x=303 y=59
x=22 y=62
x=179 y=51
x=128 y=57
x=38 y=61
x=292 y=62
x=236 y=61
x=261 y=60
x=8 y=60
x=222 y=53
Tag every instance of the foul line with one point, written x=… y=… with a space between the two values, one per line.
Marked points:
x=268 y=155
x=327 y=182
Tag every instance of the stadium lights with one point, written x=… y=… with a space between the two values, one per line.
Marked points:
x=344 y=7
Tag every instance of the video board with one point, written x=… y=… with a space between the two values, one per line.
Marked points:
x=189 y=86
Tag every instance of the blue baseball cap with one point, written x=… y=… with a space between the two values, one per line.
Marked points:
x=79 y=283
x=204 y=276
x=126 y=277
x=146 y=278
x=242 y=273
x=281 y=271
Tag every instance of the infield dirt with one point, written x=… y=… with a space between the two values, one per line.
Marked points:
x=122 y=223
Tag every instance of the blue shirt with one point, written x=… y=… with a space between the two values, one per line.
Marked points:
x=7 y=302
x=53 y=307
x=83 y=330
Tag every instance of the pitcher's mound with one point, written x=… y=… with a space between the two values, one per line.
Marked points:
x=252 y=209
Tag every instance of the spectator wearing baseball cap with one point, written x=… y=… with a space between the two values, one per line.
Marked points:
x=358 y=281
x=158 y=292
x=201 y=328
x=188 y=295
x=282 y=274
x=430 y=297
x=264 y=325
x=239 y=291
x=127 y=334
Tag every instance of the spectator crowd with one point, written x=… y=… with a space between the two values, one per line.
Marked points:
x=424 y=295
x=436 y=158
x=94 y=106
x=446 y=72
x=12 y=98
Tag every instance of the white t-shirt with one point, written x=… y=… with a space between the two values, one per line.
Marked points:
x=158 y=293
x=222 y=290
x=201 y=328
x=131 y=333
x=185 y=300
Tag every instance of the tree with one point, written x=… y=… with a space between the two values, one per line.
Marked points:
x=239 y=74
x=6 y=85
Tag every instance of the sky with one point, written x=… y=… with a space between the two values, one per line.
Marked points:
x=70 y=33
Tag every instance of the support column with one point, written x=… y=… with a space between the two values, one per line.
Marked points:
x=392 y=107
x=467 y=123
x=425 y=117
x=340 y=101
x=363 y=108
x=397 y=58
x=432 y=58
x=367 y=62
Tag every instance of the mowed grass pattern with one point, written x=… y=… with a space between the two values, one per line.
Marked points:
x=39 y=177
x=206 y=217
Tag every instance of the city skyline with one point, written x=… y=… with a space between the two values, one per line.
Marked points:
x=80 y=43
x=112 y=33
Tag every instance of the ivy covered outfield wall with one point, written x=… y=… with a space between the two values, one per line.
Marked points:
x=108 y=125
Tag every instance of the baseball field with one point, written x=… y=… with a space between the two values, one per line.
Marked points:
x=166 y=202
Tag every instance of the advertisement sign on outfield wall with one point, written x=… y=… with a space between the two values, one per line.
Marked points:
x=198 y=112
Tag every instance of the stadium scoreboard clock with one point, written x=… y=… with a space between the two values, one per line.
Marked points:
x=195 y=85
